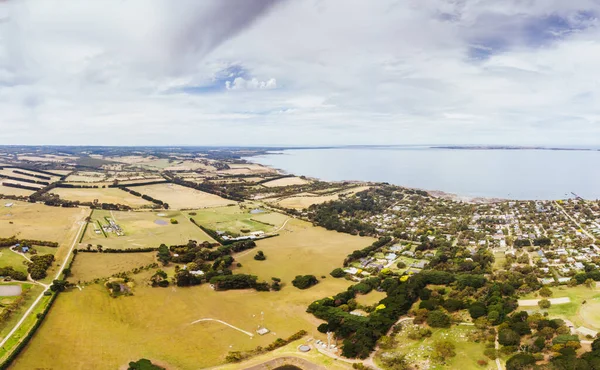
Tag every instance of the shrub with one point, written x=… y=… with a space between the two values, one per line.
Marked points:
x=338 y=273
x=438 y=319
x=304 y=281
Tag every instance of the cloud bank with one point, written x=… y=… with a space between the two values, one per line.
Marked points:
x=254 y=72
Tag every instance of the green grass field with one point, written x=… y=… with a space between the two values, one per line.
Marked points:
x=142 y=230
x=234 y=219
x=581 y=314
x=419 y=351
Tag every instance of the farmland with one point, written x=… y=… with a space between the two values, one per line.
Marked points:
x=305 y=200
x=144 y=325
x=301 y=248
x=91 y=266
x=142 y=230
x=286 y=181
x=180 y=197
x=36 y=221
x=234 y=219
x=9 y=190
x=107 y=195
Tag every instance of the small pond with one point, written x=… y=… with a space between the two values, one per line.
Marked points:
x=10 y=290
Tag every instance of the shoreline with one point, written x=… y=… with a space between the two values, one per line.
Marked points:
x=434 y=193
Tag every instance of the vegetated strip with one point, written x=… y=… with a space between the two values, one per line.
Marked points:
x=39 y=318
x=146 y=197
x=22 y=179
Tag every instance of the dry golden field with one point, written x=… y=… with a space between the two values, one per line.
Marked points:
x=143 y=230
x=155 y=323
x=286 y=181
x=181 y=197
x=306 y=200
x=106 y=195
x=91 y=266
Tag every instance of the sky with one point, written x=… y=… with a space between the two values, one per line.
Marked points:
x=299 y=72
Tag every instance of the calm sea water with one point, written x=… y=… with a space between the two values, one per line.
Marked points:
x=512 y=174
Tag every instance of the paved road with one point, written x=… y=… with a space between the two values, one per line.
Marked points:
x=575 y=222
x=39 y=298
x=534 y=302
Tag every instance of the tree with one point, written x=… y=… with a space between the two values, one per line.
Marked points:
x=59 y=285
x=260 y=256
x=304 y=281
x=546 y=292
x=544 y=303
x=163 y=254
x=338 y=273
x=143 y=364
x=508 y=337
x=590 y=283
x=520 y=361
x=438 y=319
x=443 y=350
x=477 y=310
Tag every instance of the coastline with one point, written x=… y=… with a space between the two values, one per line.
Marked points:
x=434 y=193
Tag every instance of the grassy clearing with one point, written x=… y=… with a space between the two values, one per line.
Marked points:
x=142 y=230
x=7 y=190
x=106 y=195
x=371 y=298
x=581 y=314
x=419 y=351
x=234 y=219
x=147 y=324
x=36 y=221
x=8 y=258
x=301 y=202
x=90 y=266
x=286 y=181
x=181 y=197
x=299 y=249
x=32 y=292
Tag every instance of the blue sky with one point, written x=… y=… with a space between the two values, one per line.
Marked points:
x=314 y=72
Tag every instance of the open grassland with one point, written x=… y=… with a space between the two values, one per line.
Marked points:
x=419 y=351
x=301 y=249
x=31 y=292
x=90 y=266
x=307 y=200
x=234 y=219
x=10 y=258
x=155 y=323
x=9 y=190
x=286 y=181
x=86 y=176
x=142 y=230
x=107 y=195
x=181 y=197
x=27 y=174
x=581 y=314
x=39 y=222
x=371 y=298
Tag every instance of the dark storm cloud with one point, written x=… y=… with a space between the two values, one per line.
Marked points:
x=209 y=25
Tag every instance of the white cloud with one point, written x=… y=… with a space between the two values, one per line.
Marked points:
x=240 y=83
x=330 y=72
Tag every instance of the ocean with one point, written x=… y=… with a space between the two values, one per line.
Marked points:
x=491 y=173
